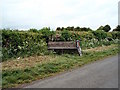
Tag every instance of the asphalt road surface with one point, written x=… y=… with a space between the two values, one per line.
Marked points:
x=100 y=74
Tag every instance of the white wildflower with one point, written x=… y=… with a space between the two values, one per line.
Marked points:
x=18 y=58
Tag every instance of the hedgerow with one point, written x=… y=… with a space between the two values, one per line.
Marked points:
x=19 y=44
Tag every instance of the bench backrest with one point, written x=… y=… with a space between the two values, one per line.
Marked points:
x=65 y=45
x=62 y=45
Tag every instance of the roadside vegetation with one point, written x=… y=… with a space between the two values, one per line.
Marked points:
x=16 y=72
x=25 y=57
x=17 y=43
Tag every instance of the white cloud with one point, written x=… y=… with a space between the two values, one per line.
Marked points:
x=54 y=13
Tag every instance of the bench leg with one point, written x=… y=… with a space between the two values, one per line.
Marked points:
x=79 y=51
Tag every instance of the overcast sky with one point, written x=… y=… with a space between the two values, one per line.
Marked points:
x=25 y=14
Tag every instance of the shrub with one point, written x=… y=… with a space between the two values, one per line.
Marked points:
x=26 y=43
x=47 y=34
x=85 y=29
x=20 y=44
x=100 y=34
x=115 y=35
x=117 y=28
x=33 y=30
x=87 y=35
x=75 y=36
x=65 y=35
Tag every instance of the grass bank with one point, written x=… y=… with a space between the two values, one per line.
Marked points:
x=18 y=72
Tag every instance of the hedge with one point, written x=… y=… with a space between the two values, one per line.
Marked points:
x=34 y=42
x=19 y=44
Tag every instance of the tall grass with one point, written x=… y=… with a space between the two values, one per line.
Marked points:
x=12 y=78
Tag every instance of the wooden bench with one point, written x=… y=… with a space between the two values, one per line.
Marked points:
x=69 y=45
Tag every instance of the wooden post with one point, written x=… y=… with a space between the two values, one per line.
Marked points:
x=78 y=47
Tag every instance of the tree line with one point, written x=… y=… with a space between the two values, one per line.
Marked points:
x=105 y=28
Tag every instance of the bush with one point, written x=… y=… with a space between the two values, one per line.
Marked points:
x=117 y=28
x=75 y=36
x=33 y=30
x=65 y=35
x=87 y=35
x=47 y=34
x=100 y=34
x=20 y=44
x=115 y=35
x=26 y=43
x=107 y=28
x=85 y=29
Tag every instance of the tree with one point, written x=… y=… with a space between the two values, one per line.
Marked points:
x=68 y=28
x=33 y=30
x=100 y=28
x=77 y=28
x=107 y=28
x=72 y=28
x=58 y=29
x=62 y=28
x=117 y=28
x=86 y=29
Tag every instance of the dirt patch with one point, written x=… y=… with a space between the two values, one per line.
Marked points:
x=22 y=63
x=97 y=49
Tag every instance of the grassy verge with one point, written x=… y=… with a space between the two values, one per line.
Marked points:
x=13 y=77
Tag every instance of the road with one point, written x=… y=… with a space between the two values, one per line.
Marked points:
x=100 y=74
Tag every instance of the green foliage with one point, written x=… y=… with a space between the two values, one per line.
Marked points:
x=10 y=78
x=87 y=35
x=85 y=29
x=107 y=28
x=47 y=34
x=65 y=35
x=73 y=29
x=75 y=36
x=109 y=34
x=58 y=29
x=100 y=28
x=33 y=30
x=45 y=31
x=100 y=34
x=90 y=39
x=70 y=28
x=20 y=44
x=117 y=28
x=115 y=35
x=26 y=43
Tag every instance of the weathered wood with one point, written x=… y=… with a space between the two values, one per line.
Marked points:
x=61 y=47
x=79 y=48
x=65 y=46
x=61 y=44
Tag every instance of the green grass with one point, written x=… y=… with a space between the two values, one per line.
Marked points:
x=13 y=78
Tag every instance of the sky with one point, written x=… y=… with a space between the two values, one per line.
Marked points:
x=26 y=14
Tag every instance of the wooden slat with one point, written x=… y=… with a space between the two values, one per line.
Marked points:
x=61 y=44
x=65 y=45
x=62 y=48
